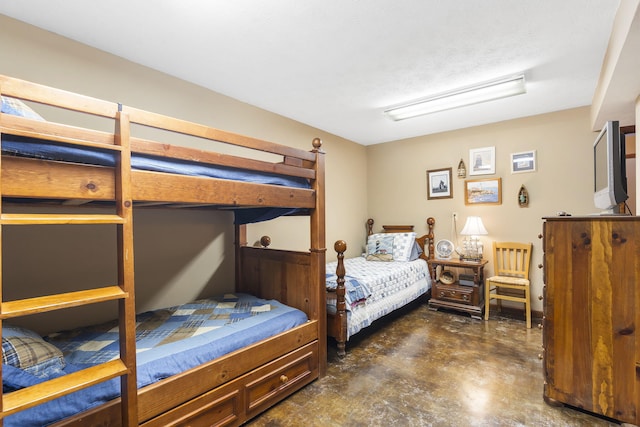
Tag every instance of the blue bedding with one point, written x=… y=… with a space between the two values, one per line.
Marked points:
x=168 y=342
x=29 y=147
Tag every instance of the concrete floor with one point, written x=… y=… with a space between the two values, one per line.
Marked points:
x=426 y=368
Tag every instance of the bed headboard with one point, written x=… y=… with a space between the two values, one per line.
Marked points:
x=425 y=241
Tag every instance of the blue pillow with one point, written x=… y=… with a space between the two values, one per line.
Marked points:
x=416 y=251
x=18 y=108
x=26 y=350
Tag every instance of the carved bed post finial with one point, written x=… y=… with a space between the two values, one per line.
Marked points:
x=341 y=307
x=431 y=223
x=317 y=143
x=369 y=226
x=265 y=241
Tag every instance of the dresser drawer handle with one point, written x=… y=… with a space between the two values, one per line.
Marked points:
x=284 y=379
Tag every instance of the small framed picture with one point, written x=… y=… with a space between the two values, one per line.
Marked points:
x=482 y=161
x=486 y=191
x=439 y=184
x=523 y=162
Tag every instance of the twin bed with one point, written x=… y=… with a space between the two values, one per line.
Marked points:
x=392 y=273
x=244 y=351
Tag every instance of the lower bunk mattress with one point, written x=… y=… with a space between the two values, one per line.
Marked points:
x=374 y=289
x=168 y=341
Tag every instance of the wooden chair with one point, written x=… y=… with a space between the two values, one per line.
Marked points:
x=511 y=271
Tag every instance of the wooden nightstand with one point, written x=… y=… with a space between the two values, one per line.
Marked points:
x=469 y=299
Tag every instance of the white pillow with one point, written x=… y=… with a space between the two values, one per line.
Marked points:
x=403 y=244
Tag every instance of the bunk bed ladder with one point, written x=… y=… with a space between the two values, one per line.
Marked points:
x=123 y=292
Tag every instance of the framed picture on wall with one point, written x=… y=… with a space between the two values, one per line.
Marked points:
x=439 y=184
x=486 y=191
x=482 y=161
x=523 y=162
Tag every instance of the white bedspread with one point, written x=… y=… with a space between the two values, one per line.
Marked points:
x=392 y=285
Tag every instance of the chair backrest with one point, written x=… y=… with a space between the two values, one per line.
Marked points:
x=512 y=259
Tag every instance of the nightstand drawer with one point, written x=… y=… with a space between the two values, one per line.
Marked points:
x=455 y=293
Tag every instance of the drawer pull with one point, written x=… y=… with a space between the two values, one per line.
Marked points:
x=540 y=356
x=540 y=265
x=284 y=379
x=540 y=297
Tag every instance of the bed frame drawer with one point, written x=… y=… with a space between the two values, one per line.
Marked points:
x=280 y=378
x=220 y=407
x=235 y=402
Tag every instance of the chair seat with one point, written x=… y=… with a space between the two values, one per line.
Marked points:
x=509 y=280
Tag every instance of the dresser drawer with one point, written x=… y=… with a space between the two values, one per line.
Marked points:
x=456 y=293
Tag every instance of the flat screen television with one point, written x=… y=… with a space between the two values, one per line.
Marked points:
x=610 y=173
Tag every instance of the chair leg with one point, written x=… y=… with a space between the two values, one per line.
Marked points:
x=527 y=306
x=487 y=299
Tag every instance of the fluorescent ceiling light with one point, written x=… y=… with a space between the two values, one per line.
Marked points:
x=489 y=91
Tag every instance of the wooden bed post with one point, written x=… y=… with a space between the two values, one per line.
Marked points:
x=430 y=236
x=318 y=253
x=341 y=307
x=240 y=240
x=369 y=227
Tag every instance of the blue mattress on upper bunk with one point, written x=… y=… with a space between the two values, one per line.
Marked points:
x=33 y=148
x=168 y=341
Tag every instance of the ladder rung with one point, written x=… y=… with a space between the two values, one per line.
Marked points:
x=45 y=303
x=49 y=390
x=22 y=219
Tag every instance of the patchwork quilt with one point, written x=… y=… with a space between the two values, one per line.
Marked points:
x=168 y=342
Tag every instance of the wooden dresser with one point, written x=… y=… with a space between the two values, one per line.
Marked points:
x=591 y=313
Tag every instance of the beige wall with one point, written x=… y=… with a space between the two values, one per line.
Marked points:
x=179 y=255
x=562 y=182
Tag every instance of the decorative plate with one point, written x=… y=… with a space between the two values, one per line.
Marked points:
x=444 y=249
x=447 y=277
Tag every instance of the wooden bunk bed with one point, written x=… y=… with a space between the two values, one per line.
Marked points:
x=229 y=389
x=387 y=285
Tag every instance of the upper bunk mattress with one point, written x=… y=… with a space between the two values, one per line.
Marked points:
x=168 y=341
x=34 y=148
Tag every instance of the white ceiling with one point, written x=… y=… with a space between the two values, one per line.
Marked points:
x=336 y=64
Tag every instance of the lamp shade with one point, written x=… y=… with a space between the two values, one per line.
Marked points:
x=474 y=227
